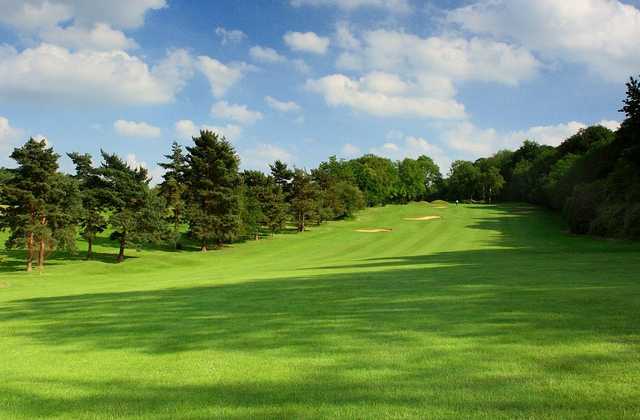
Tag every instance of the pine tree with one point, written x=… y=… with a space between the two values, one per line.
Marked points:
x=41 y=204
x=173 y=187
x=92 y=190
x=274 y=207
x=136 y=212
x=283 y=176
x=303 y=198
x=213 y=189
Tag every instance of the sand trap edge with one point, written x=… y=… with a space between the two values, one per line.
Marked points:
x=423 y=218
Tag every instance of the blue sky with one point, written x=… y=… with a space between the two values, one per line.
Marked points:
x=300 y=80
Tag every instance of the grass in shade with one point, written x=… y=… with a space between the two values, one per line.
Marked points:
x=487 y=312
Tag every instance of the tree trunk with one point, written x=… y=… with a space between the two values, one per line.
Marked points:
x=123 y=244
x=30 y=252
x=302 y=223
x=90 y=248
x=41 y=249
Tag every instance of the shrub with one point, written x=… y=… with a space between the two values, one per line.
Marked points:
x=581 y=208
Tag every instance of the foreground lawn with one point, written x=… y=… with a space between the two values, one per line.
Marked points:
x=488 y=312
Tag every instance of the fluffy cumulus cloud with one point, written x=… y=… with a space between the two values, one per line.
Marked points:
x=238 y=113
x=99 y=37
x=265 y=54
x=383 y=96
x=402 y=74
x=474 y=142
x=282 y=106
x=53 y=72
x=230 y=36
x=261 y=155
x=454 y=58
x=308 y=42
x=399 y=147
x=36 y=14
x=186 y=129
x=395 y=6
x=136 y=129
x=8 y=134
x=601 y=34
x=221 y=76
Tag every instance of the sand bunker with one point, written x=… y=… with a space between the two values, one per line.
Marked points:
x=373 y=230
x=423 y=218
x=440 y=207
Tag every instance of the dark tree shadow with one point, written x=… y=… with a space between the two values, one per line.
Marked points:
x=521 y=291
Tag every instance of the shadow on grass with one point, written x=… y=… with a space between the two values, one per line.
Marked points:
x=450 y=325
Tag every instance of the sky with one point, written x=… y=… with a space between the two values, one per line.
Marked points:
x=301 y=80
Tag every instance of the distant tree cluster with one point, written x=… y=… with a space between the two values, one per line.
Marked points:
x=203 y=198
x=593 y=177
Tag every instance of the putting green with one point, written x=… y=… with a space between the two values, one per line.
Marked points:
x=494 y=314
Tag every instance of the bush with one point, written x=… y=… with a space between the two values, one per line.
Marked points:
x=582 y=207
x=609 y=220
x=632 y=221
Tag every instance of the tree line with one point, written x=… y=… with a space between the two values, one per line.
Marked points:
x=593 y=177
x=204 y=197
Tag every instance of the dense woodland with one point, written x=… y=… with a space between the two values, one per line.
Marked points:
x=593 y=177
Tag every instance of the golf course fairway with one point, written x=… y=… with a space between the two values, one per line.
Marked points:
x=483 y=312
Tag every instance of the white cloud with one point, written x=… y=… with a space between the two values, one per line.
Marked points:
x=52 y=72
x=282 y=106
x=221 y=76
x=186 y=129
x=350 y=151
x=474 y=142
x=230 y=36
x=610 y=124
x=306 y=42
x=382 y=99
x=412 y=147
x=136 y=129
x=395 y=6
x=100 y=37
x=36 y=14
x=265 y=54
x=301 y=66
x=345 y=38
x=8 y=134
x=238 y=113
x=452 y=58
x=260 y=156
x=601 y=34
x=133 y=162
x=405 y=75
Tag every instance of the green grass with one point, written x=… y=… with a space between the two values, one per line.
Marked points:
x=490 y=312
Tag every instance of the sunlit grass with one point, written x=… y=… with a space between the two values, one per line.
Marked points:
x=487 y=312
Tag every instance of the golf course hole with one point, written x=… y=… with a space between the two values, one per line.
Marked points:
x=373 y=230
x=422 y=218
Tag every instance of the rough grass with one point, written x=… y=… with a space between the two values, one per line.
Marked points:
x=494 y=314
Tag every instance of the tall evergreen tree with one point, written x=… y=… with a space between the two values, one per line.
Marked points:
x=213 y=185
x=283 y=176
x=92 y=190
x=136 y=212
x=40 y=204
x=303 y=198
x=173 y=186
